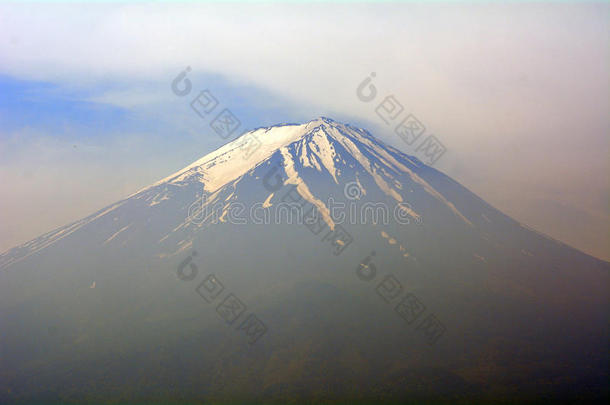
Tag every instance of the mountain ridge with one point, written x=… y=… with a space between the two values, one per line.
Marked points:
x=202 y=170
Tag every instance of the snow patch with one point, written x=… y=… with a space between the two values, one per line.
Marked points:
x=114 y=235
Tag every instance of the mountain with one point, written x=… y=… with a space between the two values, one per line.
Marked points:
x=302 y=262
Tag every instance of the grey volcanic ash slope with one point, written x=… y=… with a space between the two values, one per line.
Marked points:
x=96 y=309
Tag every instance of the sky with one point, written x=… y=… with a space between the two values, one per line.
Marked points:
x=518 y=93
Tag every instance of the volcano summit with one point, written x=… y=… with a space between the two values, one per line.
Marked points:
x=163 y=295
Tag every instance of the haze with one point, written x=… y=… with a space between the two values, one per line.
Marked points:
x=518 y=93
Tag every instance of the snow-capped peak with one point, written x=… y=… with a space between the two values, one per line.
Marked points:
x=325 y=145
x=234 y=159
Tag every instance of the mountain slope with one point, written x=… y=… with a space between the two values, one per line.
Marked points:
x=517 y=313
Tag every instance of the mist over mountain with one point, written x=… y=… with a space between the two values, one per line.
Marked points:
x=302 y=262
